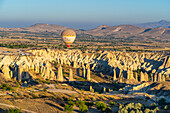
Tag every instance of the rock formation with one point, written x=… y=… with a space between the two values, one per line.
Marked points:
x=71 y=75
x=83 y=72
x=107 y=62
x=142 y=77
x=88 y=74
x=114 y=76
x=60 y=74
x=6 y=72
x=20 y=70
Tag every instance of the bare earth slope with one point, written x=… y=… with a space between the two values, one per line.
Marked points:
x=104 y=30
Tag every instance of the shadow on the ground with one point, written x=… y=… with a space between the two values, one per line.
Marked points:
x=54 y=106
x=3 y=111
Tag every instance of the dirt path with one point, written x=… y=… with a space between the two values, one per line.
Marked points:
x=61 y=91
x=11 y=106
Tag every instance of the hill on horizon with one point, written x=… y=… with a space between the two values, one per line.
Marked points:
x=161 y=23
x=123 y=31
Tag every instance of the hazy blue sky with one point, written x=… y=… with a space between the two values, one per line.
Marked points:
x=82 y=13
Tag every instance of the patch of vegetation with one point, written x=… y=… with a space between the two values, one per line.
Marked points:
x=12 y=45
x=45 y=90
x=71 y=103
x=112 y=103
x=79 y=102
x=17 y=84
x=149 y=76
x=33 y=95
x=6 y=87
x=43 y=81
x=68 y=108
x=80 y=79
x=103 y=107
x=83 y=108
x=89 y=104
x=137 y=108
x=93 y=98
x=14 y=110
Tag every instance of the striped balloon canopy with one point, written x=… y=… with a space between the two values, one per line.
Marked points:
x=68 y=37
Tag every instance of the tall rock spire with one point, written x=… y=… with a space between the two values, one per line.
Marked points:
x=71 y=75
x=60 y=74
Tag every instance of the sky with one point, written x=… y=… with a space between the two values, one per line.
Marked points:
x=82 y=14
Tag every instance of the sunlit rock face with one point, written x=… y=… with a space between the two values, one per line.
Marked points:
x=124 y=65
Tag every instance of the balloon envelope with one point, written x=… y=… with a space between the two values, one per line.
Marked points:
x=68 y=37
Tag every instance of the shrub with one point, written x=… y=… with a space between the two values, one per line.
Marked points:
x=13 y=110
x=70 y=99
x=10 y=88
x=123 y=111
x=120 y=106
x=153 y=106
x=79 y=102
x=147 y=110
x=130 y=106
x=39 y=80
x=101 y=106
x=71 y=103
x=108 y=110
x=156 y=109
x=68 y=108
x=138 y=106
x=162 y=101
x=167 y=107
x=82 y=90
x=139 y=111
x=17 y=84
x=89 y=104
x=83 y=108
x=45 y=90
x=6 y=87
x=93 y=99
x=112 y=103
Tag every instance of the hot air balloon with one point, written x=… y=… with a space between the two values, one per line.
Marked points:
x=68 y=37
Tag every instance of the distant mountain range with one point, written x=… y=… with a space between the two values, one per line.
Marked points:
x=123 y=31
x=162 y=23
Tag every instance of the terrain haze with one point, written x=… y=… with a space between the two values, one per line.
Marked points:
x=82 y=14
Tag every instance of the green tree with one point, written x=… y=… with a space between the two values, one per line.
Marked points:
x=71 y=103
x=112 y=103
x=13 y=110
x=83 y=108
x=101 y=106
x=68 y=108
x=79 y=102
